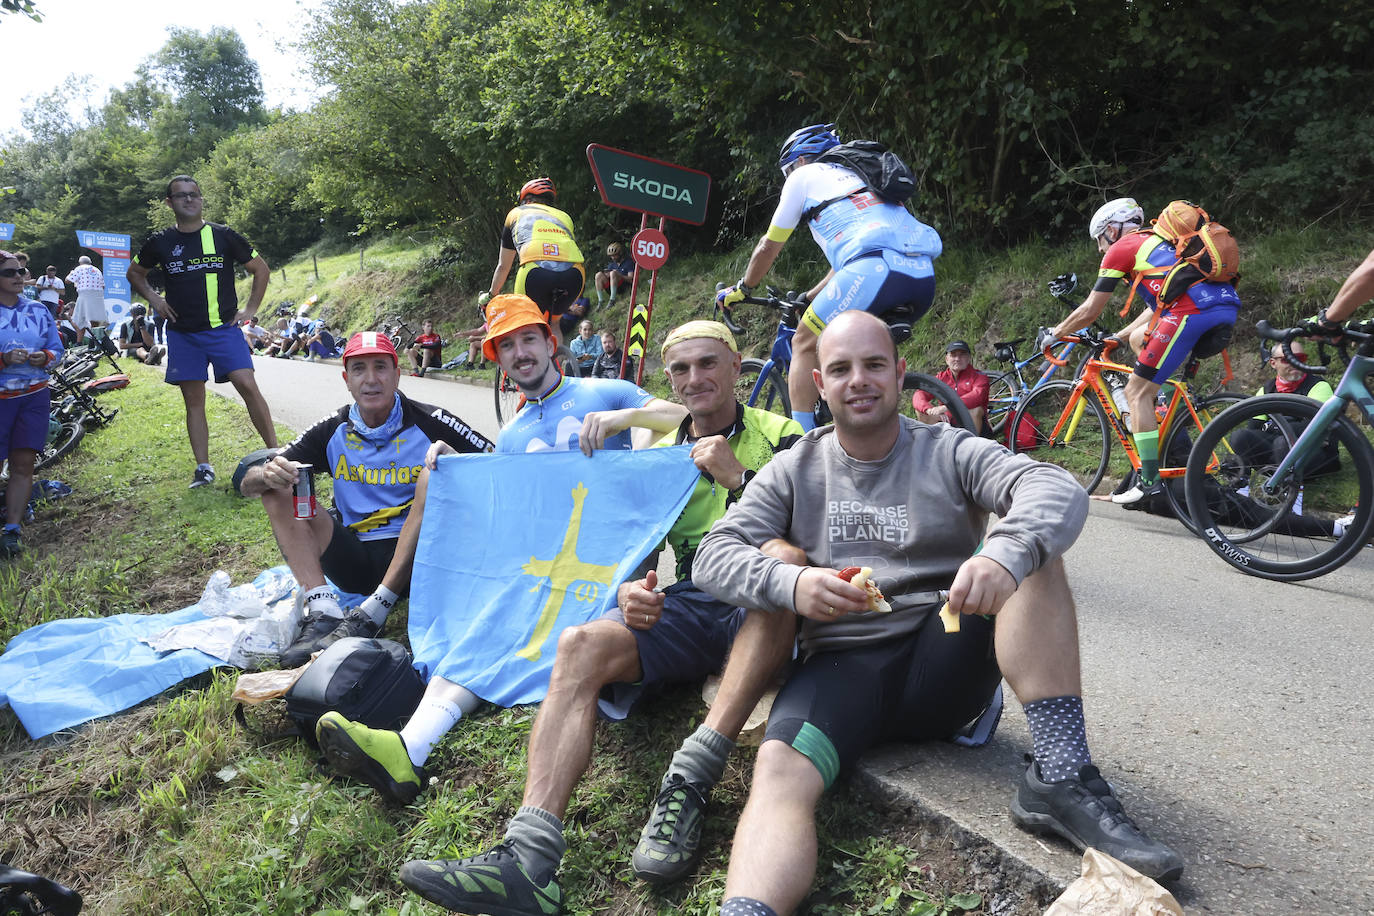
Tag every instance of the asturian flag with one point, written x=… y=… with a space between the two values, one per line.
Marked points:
x=516 y=547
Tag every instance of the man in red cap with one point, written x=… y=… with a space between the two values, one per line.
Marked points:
x=374 y=448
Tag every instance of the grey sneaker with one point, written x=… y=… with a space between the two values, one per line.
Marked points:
x=203 y=478
x=670 y=843
x=315 y=628
x=1085 y=811
x=353 y=624
x=492 y=883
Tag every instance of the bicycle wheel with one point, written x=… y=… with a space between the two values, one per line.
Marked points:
x=66 y=441
x=1082 y=443
x=1002 y=397
x=1287 y=532
x=1177 y=444
x=761 y=385
x=507 y=396
x=941 y=393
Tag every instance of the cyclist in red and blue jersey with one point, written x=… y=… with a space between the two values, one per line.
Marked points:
x=1163 y=335
x=880 y=255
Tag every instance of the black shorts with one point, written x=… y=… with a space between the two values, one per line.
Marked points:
x=554 y=290
x=930 y=684
x=353 y=564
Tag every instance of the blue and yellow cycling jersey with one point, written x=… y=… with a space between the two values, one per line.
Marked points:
x=855 y=224
x=554 y=422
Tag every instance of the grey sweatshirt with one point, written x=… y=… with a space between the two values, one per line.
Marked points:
x=914 y=516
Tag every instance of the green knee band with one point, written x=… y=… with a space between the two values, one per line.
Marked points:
x=812 y=744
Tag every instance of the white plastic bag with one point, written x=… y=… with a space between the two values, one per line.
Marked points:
x=247 y=626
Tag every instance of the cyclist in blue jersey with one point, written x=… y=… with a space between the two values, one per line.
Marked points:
x=197 y=260
x=374 y=450
x=560 y=414
x=880 y=255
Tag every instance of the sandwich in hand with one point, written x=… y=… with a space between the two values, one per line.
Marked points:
x=862 y=576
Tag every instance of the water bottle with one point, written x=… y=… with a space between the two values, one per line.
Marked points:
x=1118 y=389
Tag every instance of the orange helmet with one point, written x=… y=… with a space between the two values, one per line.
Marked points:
x=538 y=186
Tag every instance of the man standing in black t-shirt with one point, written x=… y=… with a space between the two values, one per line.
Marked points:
x=197 y=259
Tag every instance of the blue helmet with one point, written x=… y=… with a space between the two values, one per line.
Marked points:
x=808 y=141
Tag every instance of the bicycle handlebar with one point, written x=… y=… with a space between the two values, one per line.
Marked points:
x=1359 y=331
x=1100 y=343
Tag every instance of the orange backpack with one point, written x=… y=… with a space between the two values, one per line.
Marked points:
x=1206 y=251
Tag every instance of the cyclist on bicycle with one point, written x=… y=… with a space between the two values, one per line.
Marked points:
x=1174 y=330
x=880 y=255
x=541 y=235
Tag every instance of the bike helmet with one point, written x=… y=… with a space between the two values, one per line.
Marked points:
x=536 y=186
x=808 y=141
x=1120 y=212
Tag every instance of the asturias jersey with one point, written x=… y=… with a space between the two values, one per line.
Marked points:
x=537 y=232
x=375 y=485
x=199 y=272
x=1150 y=254
x=554 y=422
x=858 y=223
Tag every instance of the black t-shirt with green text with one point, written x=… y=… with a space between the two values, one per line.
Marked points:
x=199 y=269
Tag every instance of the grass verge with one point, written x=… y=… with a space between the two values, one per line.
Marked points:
x=173 y=807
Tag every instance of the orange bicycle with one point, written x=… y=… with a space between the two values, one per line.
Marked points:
x=1071 y=423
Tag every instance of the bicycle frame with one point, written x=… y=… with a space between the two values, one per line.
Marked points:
x=780 y=356
x=1349 y=390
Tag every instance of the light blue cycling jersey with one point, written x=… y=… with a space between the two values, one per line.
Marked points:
x=858 y=223
x=554 y=422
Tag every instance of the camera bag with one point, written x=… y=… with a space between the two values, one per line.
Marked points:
x=371 y=681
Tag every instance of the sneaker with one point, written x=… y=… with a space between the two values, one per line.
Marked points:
x=493 y=883
x=353 y=624
x=669 y=845
x=1136 y=496
x=422 y=372
x=1085 y=811
x=11 y=544
x=203 y=478
x=372 y=755
x=314 y=629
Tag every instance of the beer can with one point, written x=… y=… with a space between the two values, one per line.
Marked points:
x=303 y=494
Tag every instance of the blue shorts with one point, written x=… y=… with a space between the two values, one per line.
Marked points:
x=189 y=352
x=689 y=642
x=1173 y=337
x=24 y=421
x=875 y=283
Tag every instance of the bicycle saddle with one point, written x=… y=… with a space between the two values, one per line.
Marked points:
x=26 y=894
x=899 y=320
x=1010 y=343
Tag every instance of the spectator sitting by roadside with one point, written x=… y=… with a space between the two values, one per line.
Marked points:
x=571 y=319
x=616 y=275
x=298 y=331
x=967 y=382
x=607 y=365
x=585 y=347
x=428 y=351
x=281 y=339
x=136 y=337
x=321 y=343
x=258 y=337
x=65 y=329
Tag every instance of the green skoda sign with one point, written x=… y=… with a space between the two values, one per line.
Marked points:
x=634 y=182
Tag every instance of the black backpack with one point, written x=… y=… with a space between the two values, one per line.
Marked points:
x=370 y=681
x=883 y=172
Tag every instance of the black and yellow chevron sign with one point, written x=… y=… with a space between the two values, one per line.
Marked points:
x=639 y=332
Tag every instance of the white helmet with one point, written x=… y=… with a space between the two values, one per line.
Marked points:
x=1120 y=212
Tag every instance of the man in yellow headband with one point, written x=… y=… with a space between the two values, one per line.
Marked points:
x=654 y=637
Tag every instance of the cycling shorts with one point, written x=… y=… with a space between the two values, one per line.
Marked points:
x=875 y=283
x=353 y=564
x=553 y=285
x=1173 y=337
x=927 y=684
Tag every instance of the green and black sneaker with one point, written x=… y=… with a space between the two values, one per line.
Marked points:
x=493 y=884
x=670 y=843
x=372 y=755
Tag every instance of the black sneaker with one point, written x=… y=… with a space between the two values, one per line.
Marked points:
x=669 y=845
x=493 y=883
x=314 y=628
x=1085 y=811
x=203 y=478
x=11 y=544
x=354 y=623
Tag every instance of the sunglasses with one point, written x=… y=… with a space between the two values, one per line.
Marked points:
x=12 y=272
x=184 y=195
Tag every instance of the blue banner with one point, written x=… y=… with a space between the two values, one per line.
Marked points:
x=113 y=249
x=515 y=548
x=6 y=231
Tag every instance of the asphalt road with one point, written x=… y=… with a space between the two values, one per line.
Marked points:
x=1231 y=713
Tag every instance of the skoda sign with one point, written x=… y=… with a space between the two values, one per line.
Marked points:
x=634 y=182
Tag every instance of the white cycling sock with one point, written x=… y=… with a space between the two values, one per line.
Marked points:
x=379 y=604
x=323 y=602
x=443 y=704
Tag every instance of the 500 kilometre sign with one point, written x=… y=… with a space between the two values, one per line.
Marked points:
x=634 y=182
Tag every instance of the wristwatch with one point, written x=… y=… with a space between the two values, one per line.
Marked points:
x=748 y=475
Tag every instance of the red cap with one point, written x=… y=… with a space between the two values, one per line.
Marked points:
x=367 y=343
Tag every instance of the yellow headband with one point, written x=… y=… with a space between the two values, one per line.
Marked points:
x=693 y=330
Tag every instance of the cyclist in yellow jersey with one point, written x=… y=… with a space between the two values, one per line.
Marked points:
x=541 y=236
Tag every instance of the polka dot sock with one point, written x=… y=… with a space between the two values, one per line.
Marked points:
x=745 y=906
x=1057 y=731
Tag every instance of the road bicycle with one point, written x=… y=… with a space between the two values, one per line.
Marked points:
x=507 y=393
x=763 y=382
x=1071 y=424
x=1293 y=497
x=402 y=337
x=25 y=894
